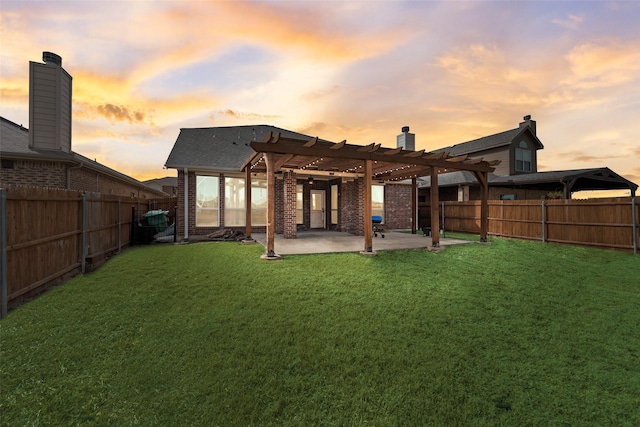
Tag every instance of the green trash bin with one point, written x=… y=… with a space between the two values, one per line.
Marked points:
x=158 y=219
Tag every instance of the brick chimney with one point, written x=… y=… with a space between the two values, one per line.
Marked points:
x=49 y=104
x=406 y=140
x=528 y=122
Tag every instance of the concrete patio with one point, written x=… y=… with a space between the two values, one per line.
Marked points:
x=323 y=241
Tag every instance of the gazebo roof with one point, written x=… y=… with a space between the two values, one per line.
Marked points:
x=577 y=180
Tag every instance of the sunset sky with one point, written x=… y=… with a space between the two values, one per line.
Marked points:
x=357 y=70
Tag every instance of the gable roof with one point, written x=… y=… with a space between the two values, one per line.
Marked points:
x=169 y=181
x=15 y=137
x=220 y=148
x=488 y=142
x=14 y=143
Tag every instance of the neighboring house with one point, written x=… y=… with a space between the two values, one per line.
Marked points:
x=212 y=166
x=517 y=176
x=168 y=184
x=42 y=156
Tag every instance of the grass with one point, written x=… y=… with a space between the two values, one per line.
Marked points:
x=511 y=333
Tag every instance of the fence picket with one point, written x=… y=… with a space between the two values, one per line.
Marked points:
x=603 y=223
x=50 y=234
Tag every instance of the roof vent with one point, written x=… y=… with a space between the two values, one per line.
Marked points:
x=405 y=129
x=52 y=59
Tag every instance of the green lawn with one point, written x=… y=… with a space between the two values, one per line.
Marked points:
x=511 y=333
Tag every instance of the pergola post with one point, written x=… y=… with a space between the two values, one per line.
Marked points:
x=247 y=198
x=271 y=208
x=483 y=179
x=368 y=225
x=435 y=218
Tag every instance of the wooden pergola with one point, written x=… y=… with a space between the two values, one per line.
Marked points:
x=371 y=162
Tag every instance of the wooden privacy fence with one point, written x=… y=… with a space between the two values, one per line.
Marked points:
x=48 y=234
x=604 y=223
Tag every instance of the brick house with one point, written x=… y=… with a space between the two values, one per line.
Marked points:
x=517 y=176
x=42 y=156
x=211 y=188
x=168 y=184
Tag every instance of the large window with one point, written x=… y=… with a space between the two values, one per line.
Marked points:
x=234 y=205
x=207 y=201
x=334 y=204
x=377 y=201
x=258 y=202
x=523 y=157
x=299 y=204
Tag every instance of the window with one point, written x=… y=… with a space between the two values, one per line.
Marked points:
x=258 y=202
x=299 y=204
x=7 y=164
x=334 y=204
x=377 y=201
x=207 y=201
x=234 y=205
x=523 y=157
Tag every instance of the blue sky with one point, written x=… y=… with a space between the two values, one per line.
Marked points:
x=355 y=70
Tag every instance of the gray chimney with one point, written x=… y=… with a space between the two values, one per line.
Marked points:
x=528 y=122
x=49 y=104
x=406 y=140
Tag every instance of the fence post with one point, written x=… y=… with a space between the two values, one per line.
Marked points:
x=634 y=228
x=83 y=252
x=3 y=250
x=119 y=225
x=175 y=223
x=443 y=220
x=544 y=223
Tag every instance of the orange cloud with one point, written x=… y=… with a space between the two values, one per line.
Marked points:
x=15 y=91
x=120 y=113
x=271 y=24
x=586 y=158
x=603 y=63
x=315 y=129
x=239 y=115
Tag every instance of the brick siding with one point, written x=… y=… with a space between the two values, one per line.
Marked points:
x=35 y=174
x=350 y=206
x=54 y=175
x=397 y=206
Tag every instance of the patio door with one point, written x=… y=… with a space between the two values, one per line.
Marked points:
x=318 y=216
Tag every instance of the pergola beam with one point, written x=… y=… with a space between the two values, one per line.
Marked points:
x=348 y=151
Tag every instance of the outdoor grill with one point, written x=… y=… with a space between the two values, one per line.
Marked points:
x=376 y=220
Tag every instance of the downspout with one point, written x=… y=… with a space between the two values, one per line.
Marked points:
x=186 y=205
x=78 y=166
